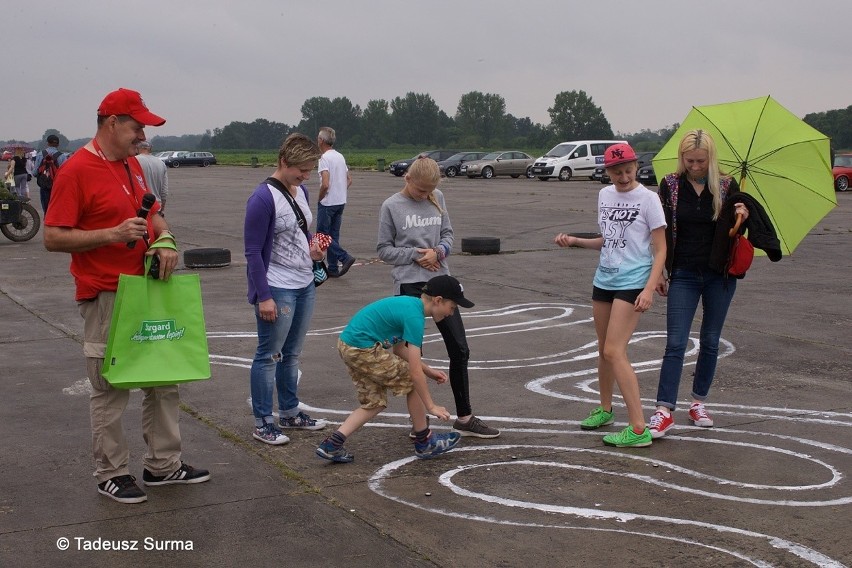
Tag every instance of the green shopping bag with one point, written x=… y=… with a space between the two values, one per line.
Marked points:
x=157 y=336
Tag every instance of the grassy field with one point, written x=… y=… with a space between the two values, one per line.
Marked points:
x=356 y=159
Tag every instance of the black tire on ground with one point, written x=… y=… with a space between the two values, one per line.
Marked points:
x=481 y=245
x=207 y=258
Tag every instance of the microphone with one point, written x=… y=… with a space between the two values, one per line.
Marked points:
x=148 y=201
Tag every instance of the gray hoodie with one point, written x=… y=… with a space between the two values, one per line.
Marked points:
x=405 y=225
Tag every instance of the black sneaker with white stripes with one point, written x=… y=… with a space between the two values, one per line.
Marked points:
x=123 y=489
x=184 y=474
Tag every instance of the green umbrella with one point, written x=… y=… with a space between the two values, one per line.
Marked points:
x=776 y=157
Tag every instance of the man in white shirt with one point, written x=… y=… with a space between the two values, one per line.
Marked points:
x=156 y=176
x=334 y=184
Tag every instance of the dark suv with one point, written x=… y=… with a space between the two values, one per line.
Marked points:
x=399 y=167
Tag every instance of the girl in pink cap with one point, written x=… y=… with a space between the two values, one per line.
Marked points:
x=632 y=249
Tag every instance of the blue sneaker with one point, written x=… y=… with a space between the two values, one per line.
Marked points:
x=327 y=451
x=436 y=444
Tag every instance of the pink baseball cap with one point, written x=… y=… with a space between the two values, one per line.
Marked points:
x=618 y=154
x=127 y=102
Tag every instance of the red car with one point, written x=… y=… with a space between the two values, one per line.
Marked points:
x=842 y=171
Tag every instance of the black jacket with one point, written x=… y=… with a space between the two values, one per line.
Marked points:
x=761 y=232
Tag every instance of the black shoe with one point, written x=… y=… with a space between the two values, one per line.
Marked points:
x=184 y=474
x=344 y=268
x=123 y=489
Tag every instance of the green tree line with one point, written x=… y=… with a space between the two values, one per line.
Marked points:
x=480 y=121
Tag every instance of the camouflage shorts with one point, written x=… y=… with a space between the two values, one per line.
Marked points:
x=375 y=370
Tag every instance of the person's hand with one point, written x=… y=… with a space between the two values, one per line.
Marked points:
x=429 y=259
x=741 y=209
x=663 y=287
x=168 y=260
x=268 y=310
x=130 y=230
x=317 y=252
x=643 y=301
x=439 y=377
x=564 y=240
x=440 y=412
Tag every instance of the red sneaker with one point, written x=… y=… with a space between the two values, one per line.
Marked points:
x=660 y=424
x=698 y=415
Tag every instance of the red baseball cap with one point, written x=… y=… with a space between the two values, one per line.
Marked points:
x=618 y=154
x=127 y=102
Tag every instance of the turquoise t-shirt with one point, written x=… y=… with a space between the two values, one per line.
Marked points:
x=386 y=321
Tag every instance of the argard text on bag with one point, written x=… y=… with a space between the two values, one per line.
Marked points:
x=158 y=330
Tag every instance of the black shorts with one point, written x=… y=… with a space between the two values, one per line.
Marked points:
x=608 y=296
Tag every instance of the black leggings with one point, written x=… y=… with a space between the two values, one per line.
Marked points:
x=452 y=330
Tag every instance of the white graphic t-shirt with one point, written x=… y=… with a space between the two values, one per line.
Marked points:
x=626 y=221
x=290 y=266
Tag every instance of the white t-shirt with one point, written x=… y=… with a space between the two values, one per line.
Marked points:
x=626 y=221
x=290 y=265
x=334 y=163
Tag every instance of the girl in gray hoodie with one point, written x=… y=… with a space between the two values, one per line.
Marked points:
x=416 y=237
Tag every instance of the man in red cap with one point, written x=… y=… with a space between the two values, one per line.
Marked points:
x=93 y=216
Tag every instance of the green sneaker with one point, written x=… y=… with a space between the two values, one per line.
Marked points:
x=597 y=418
x=627 y=438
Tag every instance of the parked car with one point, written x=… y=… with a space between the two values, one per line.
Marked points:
x=646 y=175
x=506 y=163
x=170 y=154
x=644 y=159
x=451 y=166
x=842 y=171
x=200 y=159
x=569 y=159
x=399 y=167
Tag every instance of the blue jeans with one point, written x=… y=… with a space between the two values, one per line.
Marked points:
x=279 y=344
x=329 y=219
x=685 y=289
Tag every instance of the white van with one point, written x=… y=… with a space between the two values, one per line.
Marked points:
x=569 y=159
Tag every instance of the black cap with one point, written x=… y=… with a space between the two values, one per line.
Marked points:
x=53 y=139
x=448 y=288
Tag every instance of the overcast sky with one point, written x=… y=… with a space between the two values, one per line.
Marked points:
x=202 y=65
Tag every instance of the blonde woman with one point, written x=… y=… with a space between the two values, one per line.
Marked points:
x=692 y=200
x=416 y=237
x=18 y=164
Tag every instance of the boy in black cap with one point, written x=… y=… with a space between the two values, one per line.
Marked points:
x=365 y=345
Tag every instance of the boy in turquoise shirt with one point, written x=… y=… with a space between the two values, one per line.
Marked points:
x=381 y=349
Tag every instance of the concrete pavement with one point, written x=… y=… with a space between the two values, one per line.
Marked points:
x=768 y=486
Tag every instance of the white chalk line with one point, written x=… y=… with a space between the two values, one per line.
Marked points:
x=377 y=480
x=588 y=352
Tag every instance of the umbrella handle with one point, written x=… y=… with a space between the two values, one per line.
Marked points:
x=736 y=226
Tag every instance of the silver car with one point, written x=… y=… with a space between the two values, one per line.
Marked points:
x=508 y=163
